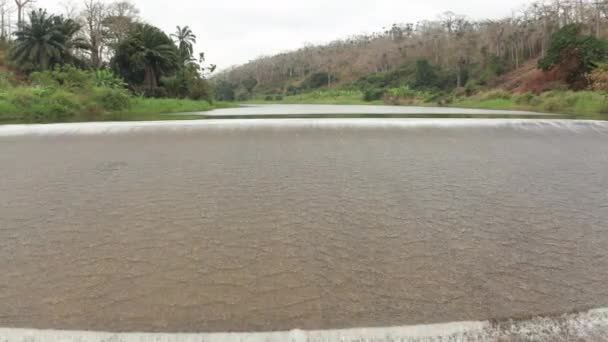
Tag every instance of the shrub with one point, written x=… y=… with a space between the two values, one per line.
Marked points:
x=224 y=91
x=292 y=90
x=6 y=80
x=496 y=95
x=471 y=88
x=574 y=54
x=278 y=98
x=113 y=99
x=67 y=76
x=318 y=80
x=555 y=104
x=39 y=106
x=373 y=94
x=598 y=78
x=268 y=98
x=105 y=78
x=524 y=99
x=426 y=76
x=402 y=92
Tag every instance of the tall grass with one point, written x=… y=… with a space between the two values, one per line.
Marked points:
x=563 y=102
x=327 y=96
x=47 y=104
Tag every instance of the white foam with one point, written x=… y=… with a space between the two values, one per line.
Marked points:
x=104 y=128
x=586 y=326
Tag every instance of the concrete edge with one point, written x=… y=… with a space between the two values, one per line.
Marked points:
x=591 y=324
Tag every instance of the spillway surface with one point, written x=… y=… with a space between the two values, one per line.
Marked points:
x=266 y=225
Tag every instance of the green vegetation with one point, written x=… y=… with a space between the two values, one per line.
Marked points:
x=113 y=68
x=572 y=79
x=574 y=54
x=564 y=102
x=326 y=96
x=69 y=94
x=542 y=59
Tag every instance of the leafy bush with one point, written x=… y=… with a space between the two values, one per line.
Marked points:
x=278 y=98
x=105 y=78
x=225 y=91
x=41 y=105
x=318 y=80
x=496 y=95
x=471 y=88
x=292 y=90
x=524 y=99
x=200 y=90
x=425 y=74
x=6 y=80
x=598 y=78
x=113 y=99
x=373 y=94
x=574 y=54
x=67 y=76
x=554 y=104
x=155 y=93
x=402 y=92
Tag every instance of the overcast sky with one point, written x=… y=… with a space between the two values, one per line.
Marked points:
x=236 y=31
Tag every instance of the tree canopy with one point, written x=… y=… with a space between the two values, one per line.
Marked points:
x=47 y=40
x=146 y=55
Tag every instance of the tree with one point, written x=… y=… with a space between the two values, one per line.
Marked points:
x=425 y=74
x=5 y=13
x=185 y=40
x=249 y=83
x=120 y=19
x=146 y=55
x=46 y=41
x=574 y=54
x=94 y=15
x=20 y=6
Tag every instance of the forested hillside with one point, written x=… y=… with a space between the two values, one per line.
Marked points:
x=563 y=38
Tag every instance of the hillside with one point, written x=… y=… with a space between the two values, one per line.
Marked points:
x=449 y=55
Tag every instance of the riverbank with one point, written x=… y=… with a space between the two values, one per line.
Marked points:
x=580 y=105
x=137 y=109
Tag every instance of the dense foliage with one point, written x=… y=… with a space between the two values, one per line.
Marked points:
x=146 y=55
x=45 y=41
x=574 y=53
x=110 y=36
x=452 y=55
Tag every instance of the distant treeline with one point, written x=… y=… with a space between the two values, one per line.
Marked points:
x=449 y=53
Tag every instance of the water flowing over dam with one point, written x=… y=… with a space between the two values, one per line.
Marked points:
x=269 y=225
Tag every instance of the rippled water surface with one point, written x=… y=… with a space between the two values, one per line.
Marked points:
x=304 y=109
x=273 y=225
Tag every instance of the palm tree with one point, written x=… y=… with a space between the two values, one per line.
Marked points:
x=46 y=41
x=185 y=40
x=146 y=55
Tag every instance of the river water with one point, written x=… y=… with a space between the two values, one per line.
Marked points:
x=299 y=109
x=264 y=225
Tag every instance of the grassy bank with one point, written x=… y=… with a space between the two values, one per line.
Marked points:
x=564 y=102
x=146 y=109
x=72 y=95
x=332 y=96
x=590 y=104
x=74 y=109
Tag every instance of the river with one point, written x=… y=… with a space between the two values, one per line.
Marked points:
x=263 y=225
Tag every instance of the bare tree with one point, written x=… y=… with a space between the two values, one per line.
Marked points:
x=21 y=4
x=94 y=15
x=121 y=15
x=6 y=11
x=70 y=9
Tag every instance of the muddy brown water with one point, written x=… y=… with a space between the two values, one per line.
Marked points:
x=279 y=224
